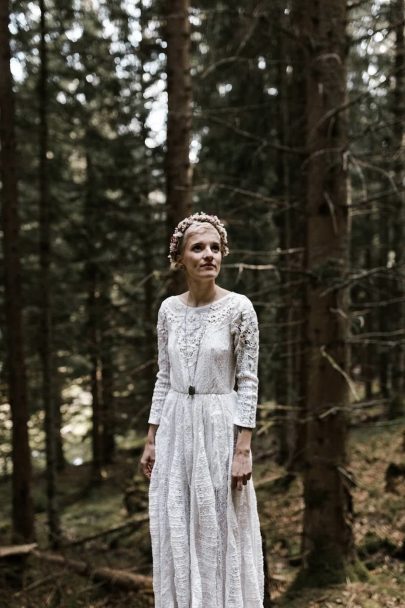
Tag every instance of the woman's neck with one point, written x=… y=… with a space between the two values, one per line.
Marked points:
x=201 y=294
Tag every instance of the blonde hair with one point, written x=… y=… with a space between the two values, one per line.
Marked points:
x=196 y=218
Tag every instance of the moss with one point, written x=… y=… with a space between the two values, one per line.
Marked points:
x=328 y=568
x=374 y=544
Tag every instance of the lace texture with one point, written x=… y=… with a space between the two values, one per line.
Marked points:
x=206 y=540
x=228 y=335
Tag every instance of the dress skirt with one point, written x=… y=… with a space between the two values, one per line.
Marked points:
x=206 y=542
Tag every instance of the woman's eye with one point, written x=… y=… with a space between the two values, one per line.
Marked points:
x=196 y=247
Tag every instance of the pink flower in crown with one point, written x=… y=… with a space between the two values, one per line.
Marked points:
x=182 y=226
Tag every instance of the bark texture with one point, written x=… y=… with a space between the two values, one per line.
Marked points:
x=398 y=372
x=22 y=508
x=179 y=92
x=294 y=241
x=327 y=536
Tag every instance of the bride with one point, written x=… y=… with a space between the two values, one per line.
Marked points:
x=204 y=525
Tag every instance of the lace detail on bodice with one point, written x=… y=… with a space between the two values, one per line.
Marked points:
x=221 y=346
x=189 y=335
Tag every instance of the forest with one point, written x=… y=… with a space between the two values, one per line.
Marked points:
x=284 y=118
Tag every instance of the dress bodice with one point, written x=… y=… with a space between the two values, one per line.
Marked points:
x=209 y=347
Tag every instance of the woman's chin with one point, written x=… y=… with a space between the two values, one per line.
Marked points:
x=208 y=275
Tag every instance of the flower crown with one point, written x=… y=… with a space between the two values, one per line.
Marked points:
x=182 y=226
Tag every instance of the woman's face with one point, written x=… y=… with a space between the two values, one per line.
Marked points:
x=201 y=255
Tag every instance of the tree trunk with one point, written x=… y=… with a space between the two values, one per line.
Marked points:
x=384 y=321
x=367 y=352
x=179 y=93
x=22 y=508
x=95 y=375
x=295 y=128
x=45 y=294
x=284 y=355
x=147 y=236
x=93 y=316
x=398 y=363
x=107 y=383
x=328 y=544
x=60 y=456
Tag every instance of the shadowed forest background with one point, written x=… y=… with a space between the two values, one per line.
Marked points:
x=284 y=118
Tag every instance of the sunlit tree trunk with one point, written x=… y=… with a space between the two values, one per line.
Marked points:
x=22 y=508
x=60 y=456
x=383 y=320
x=367 y=352
x=95 y=374
x=45 y=294
x=179 y=92
x=328 y=544
x=93 y=329
x=107 y=379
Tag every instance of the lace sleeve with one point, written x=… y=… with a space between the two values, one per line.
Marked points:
x=162 y=383
x=246 y=340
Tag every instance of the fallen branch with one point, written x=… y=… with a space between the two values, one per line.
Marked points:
x=135 y=521
x=12 y=550
x=116 y=578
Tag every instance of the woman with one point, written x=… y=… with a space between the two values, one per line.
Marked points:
x=204 y=524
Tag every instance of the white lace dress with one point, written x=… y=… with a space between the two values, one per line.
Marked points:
x=206 y=541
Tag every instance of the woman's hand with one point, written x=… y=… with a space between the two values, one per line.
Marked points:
x=148 y=456
x=241 y=468
x=148 y=459
x=242 y=460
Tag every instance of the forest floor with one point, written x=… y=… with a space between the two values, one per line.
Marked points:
x=88 y=509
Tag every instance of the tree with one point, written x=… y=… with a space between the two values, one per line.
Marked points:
x=45 y=254
x=328 y=545
x=22 y=508
x=179 y=92
x=289 y=383
x=398 y=131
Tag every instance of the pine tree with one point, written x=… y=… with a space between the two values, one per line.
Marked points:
x=328 y=544
x=178 y=168
x=22 y=507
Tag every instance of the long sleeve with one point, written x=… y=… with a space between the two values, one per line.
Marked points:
x=246 y=341
x=162 y=383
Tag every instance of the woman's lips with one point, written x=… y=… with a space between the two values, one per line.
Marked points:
x=208 y=266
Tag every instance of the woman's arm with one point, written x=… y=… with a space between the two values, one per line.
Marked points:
x=162 y=386
x=162 y=383
x=246 y=351
x=246 y=343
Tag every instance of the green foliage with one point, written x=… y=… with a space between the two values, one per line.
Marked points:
x=106 y=175
x=372 y=544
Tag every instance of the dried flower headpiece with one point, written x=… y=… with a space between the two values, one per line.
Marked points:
x=182 y=226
